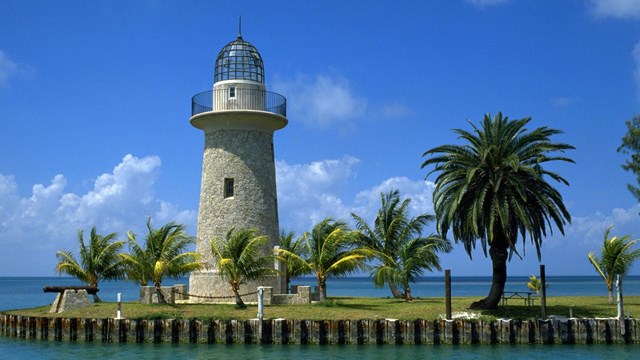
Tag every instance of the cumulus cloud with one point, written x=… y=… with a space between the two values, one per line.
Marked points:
x=367 y=202
x=622 y=9
x=307 y=193
x=322 y=100
x=589 y=229
x=119 y=201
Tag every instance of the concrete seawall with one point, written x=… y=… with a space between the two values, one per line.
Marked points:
x=283 y=331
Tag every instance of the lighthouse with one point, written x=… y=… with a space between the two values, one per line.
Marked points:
x=238 y=189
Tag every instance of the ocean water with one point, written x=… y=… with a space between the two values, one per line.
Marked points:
x=25 y=292
x=16 y=292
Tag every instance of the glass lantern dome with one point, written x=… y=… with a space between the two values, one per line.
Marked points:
x=239 y=60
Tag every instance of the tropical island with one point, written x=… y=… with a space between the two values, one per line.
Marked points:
x=495 y=189
x=475 y=182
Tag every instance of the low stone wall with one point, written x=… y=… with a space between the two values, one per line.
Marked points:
x=283 y=331
x=299 y=295
x=148 y=294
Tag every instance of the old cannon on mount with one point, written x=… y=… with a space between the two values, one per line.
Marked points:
x=70 y=297
x=91 y=290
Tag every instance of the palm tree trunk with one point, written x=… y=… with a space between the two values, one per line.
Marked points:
x=407 y=293
x=499 y=255
x=94 y=283
x=236 y=292
x=610 y=290
x=322 y=289
x=160 y=295
x=394 y=291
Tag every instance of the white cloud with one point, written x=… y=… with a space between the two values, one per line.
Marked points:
x=307 y=193
x=367 y=202
x=8 y=68
x=322 y=100
x=486 y=2
x=119 y=201
x=623 y=9
x=589 y=229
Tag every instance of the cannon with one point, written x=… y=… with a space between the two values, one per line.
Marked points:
x=91 y=290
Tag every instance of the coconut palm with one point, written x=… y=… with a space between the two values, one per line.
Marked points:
x=494 y=188
x=616 y=258
x=99 y=260
x=331 y=252
x=164 y=255
x=292 y=268
x=410 y=260
x=534 y=284
x=403 y=252
x=240 y=259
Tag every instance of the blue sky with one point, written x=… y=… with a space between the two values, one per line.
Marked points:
x=95 y=105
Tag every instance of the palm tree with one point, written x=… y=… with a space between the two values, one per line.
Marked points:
x=163 y=255
x=292 y=268
x=99 y=260
x=409 y=262
x=616 y=258
x=240 y=259
x=494 y=187
x=397 y=239
x=331 y=252
x=535 y=284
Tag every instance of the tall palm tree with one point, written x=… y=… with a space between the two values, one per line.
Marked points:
x=164 y=255
x=616 y=258
x=331 y=252
x=494 y=187
x=240 y=259
x=99 y=260
x=397 y=239
x=292 y=268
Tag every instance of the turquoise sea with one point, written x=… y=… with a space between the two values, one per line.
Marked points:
x=17 y=292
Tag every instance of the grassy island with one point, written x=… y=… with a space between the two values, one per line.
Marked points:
x=349 y=308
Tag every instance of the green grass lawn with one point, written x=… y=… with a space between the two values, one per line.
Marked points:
x=342 y=308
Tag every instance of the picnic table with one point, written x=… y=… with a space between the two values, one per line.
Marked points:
x=525 y=296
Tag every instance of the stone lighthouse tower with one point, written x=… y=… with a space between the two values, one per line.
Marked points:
x=238 y=117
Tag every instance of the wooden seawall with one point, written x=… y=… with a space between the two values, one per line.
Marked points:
x=283 y=331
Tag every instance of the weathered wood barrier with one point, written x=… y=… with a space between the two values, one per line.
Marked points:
x=283 y=331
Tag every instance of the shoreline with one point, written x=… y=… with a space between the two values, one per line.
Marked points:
x=323 y=332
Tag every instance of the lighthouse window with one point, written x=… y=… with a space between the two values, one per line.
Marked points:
x=232 y=92
x=228 y=188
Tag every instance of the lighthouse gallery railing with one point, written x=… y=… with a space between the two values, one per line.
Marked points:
x=243 y=99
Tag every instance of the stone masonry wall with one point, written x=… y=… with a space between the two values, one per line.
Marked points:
x=246 y=156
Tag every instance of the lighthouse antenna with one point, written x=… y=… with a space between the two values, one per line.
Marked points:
x=240 y=28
